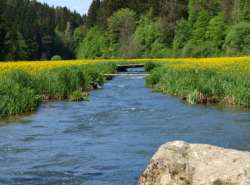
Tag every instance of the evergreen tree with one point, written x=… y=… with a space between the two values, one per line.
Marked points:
x=92 y=16
x=17 y=48
x=3 y=40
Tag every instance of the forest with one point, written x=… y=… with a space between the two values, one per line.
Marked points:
x=125 y=29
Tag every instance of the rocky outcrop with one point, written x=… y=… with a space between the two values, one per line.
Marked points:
x=181 y=163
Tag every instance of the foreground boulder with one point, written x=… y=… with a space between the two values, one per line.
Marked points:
x=181 y=163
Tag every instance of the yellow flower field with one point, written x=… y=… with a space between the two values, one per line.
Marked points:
x=241 y=64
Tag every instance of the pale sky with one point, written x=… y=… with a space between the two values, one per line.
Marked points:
x=80 y=6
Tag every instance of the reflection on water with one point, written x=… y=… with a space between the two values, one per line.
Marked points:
x=110 y=139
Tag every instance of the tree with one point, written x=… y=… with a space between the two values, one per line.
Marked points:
x=121 y=27
x=148 y=38
x=170 y=12
x=200 y=27
x=182 y=34
x=17 y=48
x=246 y=11
x=3 y=34
x=92 y=16
x=93 y=45
x=35 y=26
x=216 y=31
x=78 y=35
x=227 y=7
x=238 y=40
x=212 y=7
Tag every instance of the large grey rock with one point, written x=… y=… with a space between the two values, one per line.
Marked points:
x=181 y=163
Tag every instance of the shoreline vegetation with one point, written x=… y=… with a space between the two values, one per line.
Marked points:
x=24 y=85
x=22 y=91
x=203 y=81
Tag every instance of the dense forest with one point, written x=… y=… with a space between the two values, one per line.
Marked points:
x=125 y=28
x=30 y=30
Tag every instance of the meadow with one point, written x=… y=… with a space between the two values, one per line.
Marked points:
x=24 y=85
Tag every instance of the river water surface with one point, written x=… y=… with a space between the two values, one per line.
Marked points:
x=110 y=139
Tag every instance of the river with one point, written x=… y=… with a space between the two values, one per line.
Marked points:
x=110 y=139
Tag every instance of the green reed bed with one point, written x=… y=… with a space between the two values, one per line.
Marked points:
x=22 y=92
x=203 y=85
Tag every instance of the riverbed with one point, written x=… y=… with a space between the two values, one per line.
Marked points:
x=110 y=139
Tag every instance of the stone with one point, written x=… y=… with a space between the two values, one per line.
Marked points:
x=181 y=163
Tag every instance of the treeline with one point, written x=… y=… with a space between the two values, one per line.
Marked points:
x=30 y=30
x=166 y=28
x=125 y=28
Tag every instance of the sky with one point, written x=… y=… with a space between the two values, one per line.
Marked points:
x=80 y=6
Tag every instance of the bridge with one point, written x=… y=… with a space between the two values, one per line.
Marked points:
x=124 y=67
x=127 y=74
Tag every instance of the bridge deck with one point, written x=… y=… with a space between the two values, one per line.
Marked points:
x=128 y=74
x=124 y=67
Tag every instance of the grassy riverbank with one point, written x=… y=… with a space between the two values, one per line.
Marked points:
x=205 y=81
x=23 y=85
x=23 y=89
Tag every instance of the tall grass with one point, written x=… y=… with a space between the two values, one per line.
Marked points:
x=203 y=85
x=21 y=91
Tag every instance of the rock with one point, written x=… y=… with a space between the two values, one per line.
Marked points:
x=181 y=163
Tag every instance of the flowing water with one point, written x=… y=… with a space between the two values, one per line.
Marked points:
x=110 y=139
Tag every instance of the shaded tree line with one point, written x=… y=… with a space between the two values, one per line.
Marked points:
x=30 y=30
x=166 y=28
x=125 y=28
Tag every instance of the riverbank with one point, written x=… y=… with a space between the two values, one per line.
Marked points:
x=199 y=81
x=22 y=91
x=204 y=82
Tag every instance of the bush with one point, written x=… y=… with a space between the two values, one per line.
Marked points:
x=56 y=57
x=238 y=40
